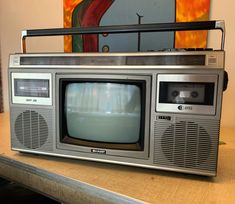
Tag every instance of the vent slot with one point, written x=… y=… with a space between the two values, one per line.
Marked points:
x=212 y=61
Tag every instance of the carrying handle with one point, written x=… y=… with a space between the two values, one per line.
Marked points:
x=154 y=27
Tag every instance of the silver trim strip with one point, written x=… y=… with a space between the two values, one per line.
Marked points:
x=23 y=41
x=221 y=25
x=218 y=57
x=198 y=172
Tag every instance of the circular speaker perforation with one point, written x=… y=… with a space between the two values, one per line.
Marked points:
x=186 y=144
x=31 y=129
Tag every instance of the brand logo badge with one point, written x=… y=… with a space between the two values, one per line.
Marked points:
x=186 y=108
x=98 y=151
x=163 y=117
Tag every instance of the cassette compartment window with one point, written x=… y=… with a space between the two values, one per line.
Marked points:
x=32 y=87
x=195 y=93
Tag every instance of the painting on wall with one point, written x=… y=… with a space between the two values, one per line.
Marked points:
x=93 y=13
x=195 y=10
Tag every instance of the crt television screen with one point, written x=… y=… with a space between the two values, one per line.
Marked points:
x=103 y=111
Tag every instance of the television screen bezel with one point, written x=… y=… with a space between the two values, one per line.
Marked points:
x=145 y=82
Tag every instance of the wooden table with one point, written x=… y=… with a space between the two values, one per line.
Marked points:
x=76 y=181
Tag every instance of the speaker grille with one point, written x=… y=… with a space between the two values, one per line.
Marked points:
x=187 y=144
x=31 y=129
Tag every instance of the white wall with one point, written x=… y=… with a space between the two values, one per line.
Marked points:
x=224 y=10
x=18 y=15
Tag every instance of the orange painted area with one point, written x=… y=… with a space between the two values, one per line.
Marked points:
x=193 y=10
x=69 y=6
